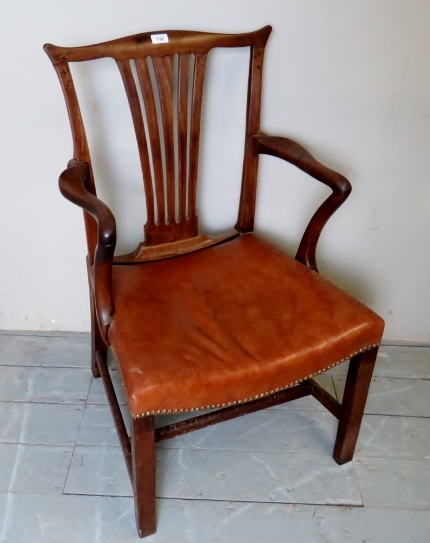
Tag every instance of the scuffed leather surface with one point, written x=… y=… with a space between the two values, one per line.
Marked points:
x=228 y=323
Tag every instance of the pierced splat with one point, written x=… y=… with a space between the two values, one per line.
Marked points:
x=167 y=125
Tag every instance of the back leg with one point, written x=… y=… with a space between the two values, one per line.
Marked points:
x=354 y=400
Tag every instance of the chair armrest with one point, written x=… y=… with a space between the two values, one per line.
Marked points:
x=298 y=156
x=72 y=186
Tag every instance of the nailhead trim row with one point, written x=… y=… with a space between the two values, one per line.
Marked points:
x=237 y=402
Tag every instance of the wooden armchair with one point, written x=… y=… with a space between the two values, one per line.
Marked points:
x=228 y=323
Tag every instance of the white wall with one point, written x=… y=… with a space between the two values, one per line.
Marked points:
x=350 y=80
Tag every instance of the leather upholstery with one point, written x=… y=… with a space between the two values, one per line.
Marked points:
x=228 y=323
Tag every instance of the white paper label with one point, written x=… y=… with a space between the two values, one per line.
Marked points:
x=159 y=38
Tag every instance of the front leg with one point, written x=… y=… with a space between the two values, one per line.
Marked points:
x=353 y=404
x=143 y=471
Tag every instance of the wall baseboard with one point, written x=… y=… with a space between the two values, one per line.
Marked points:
x=44 y=333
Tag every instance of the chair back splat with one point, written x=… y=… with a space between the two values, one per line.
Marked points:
x=164 y=85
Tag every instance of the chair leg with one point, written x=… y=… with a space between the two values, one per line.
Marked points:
x=354 y=400
x=143 y=472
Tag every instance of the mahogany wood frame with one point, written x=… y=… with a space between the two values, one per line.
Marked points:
x=168 y=239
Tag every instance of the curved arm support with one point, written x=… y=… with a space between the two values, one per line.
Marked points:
x=298 y=156
x=72 y=186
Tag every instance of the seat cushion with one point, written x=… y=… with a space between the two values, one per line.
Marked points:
x=228 y=324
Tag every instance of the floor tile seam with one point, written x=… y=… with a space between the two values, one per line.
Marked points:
x=222 y=500
x=68 y=470
x=399 y=415
x=39 y=402
x=89 y=403
x=32 y=492
x=303 y=504
x=391 y=415
x=379 y=376
x=21 y=402
x=405 y=345
x=356 y=481
x=159 y=447
x=47 y=334
x=336 y=395
x=399 y=378
x=42 y=366
x=361 y=458
x=274 y=502
x=53 y=445
x=36 y=443
x=229 y=501
x=366 y=414
x=77 y=435
x=357 y=458
x=396 y=507
x=359 y=486
x=241 y=451
x=39 y=366
x=101 y=445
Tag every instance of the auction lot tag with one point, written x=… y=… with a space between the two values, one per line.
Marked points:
x=159 y=38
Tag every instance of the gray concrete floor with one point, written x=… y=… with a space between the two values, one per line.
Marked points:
x=265 y=477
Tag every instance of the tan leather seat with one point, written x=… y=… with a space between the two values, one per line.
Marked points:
x=227 y=324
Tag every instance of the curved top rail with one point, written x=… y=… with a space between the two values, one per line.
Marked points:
x=141 y=45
